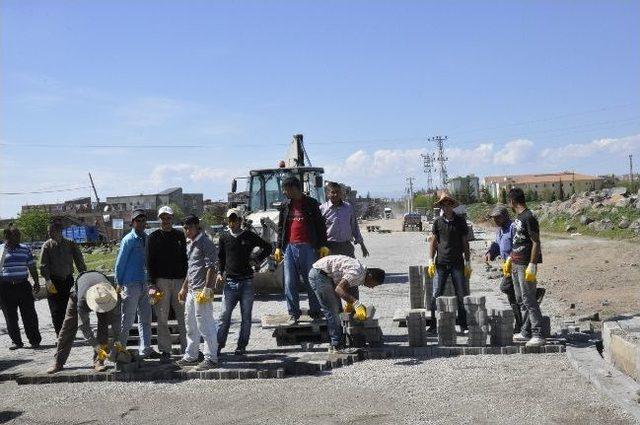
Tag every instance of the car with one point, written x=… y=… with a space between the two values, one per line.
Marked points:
x=412 y=221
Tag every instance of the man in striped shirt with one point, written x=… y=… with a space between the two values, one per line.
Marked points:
x=15 y=290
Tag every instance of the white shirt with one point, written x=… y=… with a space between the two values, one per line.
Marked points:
x=339 y=267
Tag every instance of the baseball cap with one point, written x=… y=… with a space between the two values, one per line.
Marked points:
x=138 y=212
x=191 y=220
x=165 y=210
x=234 y=211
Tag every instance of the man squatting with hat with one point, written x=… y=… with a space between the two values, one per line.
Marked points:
x=449 y=256
x=235 y=273
x=330 y=278
x=91 y=292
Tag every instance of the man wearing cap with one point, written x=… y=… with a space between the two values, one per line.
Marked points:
x=15 y=289
x=501 y=248
x=236 y=274
x=449 y=256
x=167 y=266
x=331 y=277
x=56 y=265
x=197 y=294
x=302 y=235
x=131 y=275
x=97 y=295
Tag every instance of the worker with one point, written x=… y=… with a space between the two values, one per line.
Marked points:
x=501 y=248
x=167 y=266
x=235 y=275
x=342 y=226
x=92 y=291
x=56 y=266
x=526 y=254
x=131 y=275
x=449 y=256
x=302 y=235
x=330 y=278
x=197 y=294
x=16 y=263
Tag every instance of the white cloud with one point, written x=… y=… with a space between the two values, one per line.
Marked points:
x=172 y=173
x=514 y=152
x=622 y=145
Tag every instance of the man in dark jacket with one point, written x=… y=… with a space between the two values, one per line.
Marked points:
x=302 y=235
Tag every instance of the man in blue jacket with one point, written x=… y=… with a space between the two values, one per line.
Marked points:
x=131 y=275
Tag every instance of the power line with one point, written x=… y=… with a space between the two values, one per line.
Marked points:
x=34 y=192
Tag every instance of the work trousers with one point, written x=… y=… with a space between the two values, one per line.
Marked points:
x=69 y=329
x=170 y=289
x=459 y=285
x=135 y=299
x=236 y=291
x=345 y=248
x=526 y=299
x=58 y=301
x=298 y=260
x=200 y=322
x=18 y=295
x=323 y=287
x=508 y=289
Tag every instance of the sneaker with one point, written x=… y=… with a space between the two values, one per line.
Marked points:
x=341 y=349
x=186 y=363
x=519 y=337
x=99 y=366
x=165 y=358
x=240 y=352
x=153 y=354
x=536 y=341
x=207 y=364
x=55 y=368
x=293 y=320
x=16 y=347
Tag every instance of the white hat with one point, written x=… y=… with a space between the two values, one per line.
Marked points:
x=101 y=297
x=165 y=210
x=234 y=211
x=87 y=279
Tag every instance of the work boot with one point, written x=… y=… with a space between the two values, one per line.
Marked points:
x=55 y=368
x=341 y=349
x=240 y=352
x=165 y=358
x=186 y=363
x=207 y=364
x=99 y=366
x=152 y=354
x=536 y=341
x=16 y=347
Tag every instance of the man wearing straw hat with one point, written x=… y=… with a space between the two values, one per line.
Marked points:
x=449 y=256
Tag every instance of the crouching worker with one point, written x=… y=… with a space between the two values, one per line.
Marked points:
x=92 y=291
x=330 y=278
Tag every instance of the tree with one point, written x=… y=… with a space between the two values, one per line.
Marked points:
x=485 y=196
x=178 y=214
x=503 y=196
x=33 y=224
x=530 y=195
x=561 y=192
x=214 y=216
x=423 y=201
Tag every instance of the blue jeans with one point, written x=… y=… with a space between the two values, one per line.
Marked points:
x=459 y=285
x=135 y=299
x=298 y=259
x=526 y=298
x=323 y=287
x=236 y=291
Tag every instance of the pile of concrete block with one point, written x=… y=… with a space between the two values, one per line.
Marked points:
x=501 y=323
x=360 y=333
x=416 y=287
x=417 y=326
x=447 y=308
x=477 y=320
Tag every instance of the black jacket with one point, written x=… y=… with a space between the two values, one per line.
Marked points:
x=314 y=221
x=234 y=253
x=166 y=255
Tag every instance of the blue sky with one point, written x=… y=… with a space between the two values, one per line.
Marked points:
x=517 y=86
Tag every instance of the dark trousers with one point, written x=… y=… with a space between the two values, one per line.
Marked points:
x=345 y=248
x=58 y=302
x=507 y=288
x=459 y=284
x=14 y=295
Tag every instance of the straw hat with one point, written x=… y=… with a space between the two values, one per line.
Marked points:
x=445 y=197
x=101 y=297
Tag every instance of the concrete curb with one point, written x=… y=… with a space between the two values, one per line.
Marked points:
x=608 y=380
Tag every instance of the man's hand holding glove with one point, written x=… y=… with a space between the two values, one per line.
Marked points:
x=277 y=255
x=467 y=269
x=348 y=308
x=101 y=352
x=506 y=267
x=204 y=296
x=51 y=288
x=531 y=272
x=155 y=295
x=431 y=269
x=360 y=311
x=323 y=251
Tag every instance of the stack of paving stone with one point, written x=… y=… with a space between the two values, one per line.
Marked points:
x=477 y=320
x=416 y=287
x=417 y=326
x=501 y=322
x=360 y=333
x=446 y=320
x=428 y=287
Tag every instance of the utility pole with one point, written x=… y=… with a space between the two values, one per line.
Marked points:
x=429 y=162
x=95 y=192
x=410 y=194
x=631 y=169
x=100 y=217
x=441 y=158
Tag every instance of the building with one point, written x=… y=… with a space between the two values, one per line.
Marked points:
x=190 y=203
x=465 y=189
x=544 y=185
x=71 y=207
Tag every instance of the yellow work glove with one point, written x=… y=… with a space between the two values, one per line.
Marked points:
x=506 y=267
x=467 y=269
x=101 y=352
x=431 y=269
x=530 y=273
x=360 y=311
x=323 y=251
x=204 y=296
x=51 y=288
x=155 y=296
x=348 y=308
x=278 y=255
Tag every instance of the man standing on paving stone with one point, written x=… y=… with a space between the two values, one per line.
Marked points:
x=449 y=256
x=131 y=276
x=302 y=235
x=236 y=274
x=330 y=278
x=95 y=293
x=56 y=266
x=167 y=266
x=15 y=290
x=197 y=294
x=501 y=247
x=526 y=254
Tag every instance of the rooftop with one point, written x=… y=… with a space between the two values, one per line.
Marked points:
x=540 y=178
